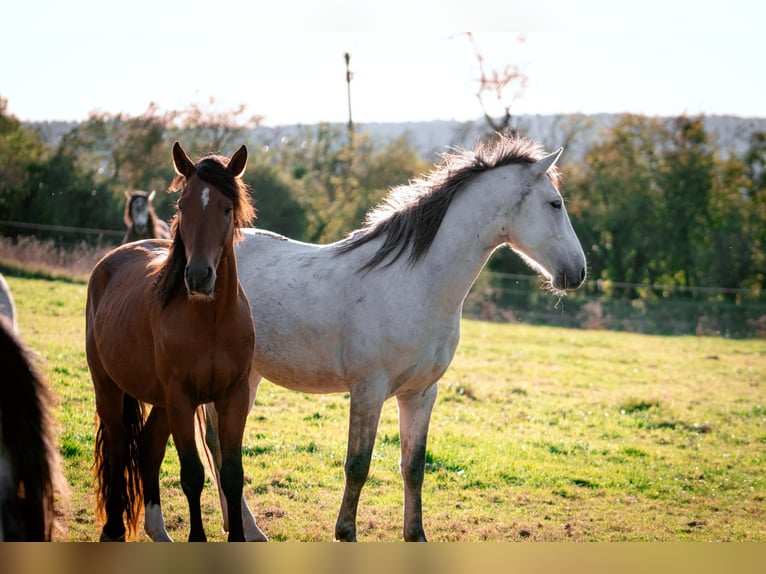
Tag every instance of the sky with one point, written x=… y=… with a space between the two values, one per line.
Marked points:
x=410 y=59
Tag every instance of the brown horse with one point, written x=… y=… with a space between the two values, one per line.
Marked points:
x=141 y=220
x=168 y=324
x=30 y=471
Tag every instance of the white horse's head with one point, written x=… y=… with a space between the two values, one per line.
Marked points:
x=541 y=231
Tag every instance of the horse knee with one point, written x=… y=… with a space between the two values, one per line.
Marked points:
x=412 y=466
x=356 y=469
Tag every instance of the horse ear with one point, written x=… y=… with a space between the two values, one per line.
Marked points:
x=151 y=196
x=542 y=166
x=181 y=162
x=238 y=161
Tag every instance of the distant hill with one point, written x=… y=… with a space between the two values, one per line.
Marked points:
x=575 y=131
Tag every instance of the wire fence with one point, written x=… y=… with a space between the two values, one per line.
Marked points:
x=61 y=229
x=641 y=308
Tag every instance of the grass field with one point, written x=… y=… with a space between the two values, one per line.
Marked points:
x=538 y=434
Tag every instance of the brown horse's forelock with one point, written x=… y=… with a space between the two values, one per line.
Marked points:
x=411 y=215
x=210 y=169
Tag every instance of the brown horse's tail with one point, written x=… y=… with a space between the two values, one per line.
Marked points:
x=133 y=417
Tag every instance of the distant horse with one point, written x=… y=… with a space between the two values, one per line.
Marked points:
x=168 y=324
x=30 y=471
x=7 y=306
x=377 y=314
x=141 y=220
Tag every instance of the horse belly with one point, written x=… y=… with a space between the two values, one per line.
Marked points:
x=306 y=375
x=119 y=333
x=298 y=354
x=132 y=368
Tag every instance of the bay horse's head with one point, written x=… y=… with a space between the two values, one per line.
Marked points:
x=138 y=209
x=214 y=203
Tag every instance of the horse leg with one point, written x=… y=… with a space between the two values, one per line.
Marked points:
x=414 y=416
x=154 y=440
x=364 y=414
x=213 y=442
x=233 y=409
x=180 y=411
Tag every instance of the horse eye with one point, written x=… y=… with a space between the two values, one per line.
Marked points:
x=556 y=204
x=227 y=211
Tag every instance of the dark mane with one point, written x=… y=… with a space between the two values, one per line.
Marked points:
x=210 y=169
x=411 y=214
x=27 y=433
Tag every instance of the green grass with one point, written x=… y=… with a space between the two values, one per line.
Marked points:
x=538 y=434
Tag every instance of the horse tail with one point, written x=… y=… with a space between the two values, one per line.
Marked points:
x=133 y=417
x=202 y=430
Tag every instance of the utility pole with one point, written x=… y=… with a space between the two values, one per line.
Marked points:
x=349 y=75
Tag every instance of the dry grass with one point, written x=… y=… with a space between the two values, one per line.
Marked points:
x=30 y=256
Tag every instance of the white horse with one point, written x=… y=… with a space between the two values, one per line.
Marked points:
x=7 y=306
x=377 y=314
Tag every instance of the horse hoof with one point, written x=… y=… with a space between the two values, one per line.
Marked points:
x=106 y=538
x=256 y=535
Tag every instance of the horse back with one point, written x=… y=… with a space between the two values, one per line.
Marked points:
x=161 y=229
x=125 y=273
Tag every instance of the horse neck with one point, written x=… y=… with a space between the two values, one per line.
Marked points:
x=467 y=237
x=227 y=282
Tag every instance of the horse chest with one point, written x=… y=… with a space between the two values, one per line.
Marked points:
x=426 y=366
x=206 y=356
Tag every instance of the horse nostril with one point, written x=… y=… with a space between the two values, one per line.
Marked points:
x=582 y=274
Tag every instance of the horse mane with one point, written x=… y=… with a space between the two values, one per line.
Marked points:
x=210 y=169
x=410 y=215
x=27 y=433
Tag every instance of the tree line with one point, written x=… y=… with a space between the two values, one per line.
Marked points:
x=655 y=202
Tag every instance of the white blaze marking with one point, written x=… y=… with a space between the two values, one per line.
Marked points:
x=205 y=197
